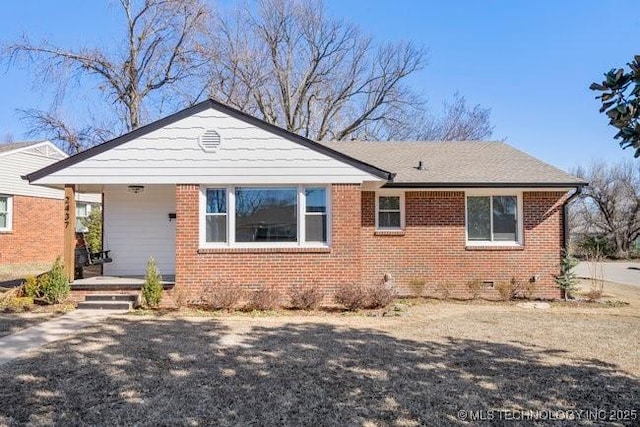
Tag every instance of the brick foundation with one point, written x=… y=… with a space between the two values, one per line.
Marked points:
x=432 y=248
x=37 y=232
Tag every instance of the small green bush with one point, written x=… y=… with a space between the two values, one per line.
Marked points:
x=54 y=286
x=31 y=287
x=152 y=287
x=567 y=280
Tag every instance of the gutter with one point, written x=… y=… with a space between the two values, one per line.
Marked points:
x=565 y=215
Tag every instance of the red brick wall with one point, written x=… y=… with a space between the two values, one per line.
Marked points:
x=37 y=233
x=432 y=247
x=278 y=268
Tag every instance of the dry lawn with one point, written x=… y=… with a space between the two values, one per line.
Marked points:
x=10 y=323
x=419 y=369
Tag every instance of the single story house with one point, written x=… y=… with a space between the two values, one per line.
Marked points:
x=32 y=217
x=218 y=196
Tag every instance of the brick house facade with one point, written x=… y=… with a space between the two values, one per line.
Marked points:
x=431 y=247
x=36 y=234
x=220 y=197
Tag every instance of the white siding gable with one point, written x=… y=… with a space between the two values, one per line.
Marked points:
x=244 y=154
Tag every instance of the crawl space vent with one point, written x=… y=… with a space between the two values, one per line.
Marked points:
x=210 y=141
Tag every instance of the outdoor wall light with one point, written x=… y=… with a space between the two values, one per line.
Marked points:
x=172 y=216
x=135 y=189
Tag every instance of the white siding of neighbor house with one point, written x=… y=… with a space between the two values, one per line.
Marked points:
x=137 y=226
x=15 y=164
x=247 y=154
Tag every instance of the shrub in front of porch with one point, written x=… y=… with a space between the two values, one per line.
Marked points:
x=53 y=287
x=152 y=287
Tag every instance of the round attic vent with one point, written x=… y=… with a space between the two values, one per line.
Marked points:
x=210 y=141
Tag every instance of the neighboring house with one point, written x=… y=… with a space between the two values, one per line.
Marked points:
x=31 y=217
x=218 y=196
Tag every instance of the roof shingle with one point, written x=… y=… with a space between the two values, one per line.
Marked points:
x=464 y=163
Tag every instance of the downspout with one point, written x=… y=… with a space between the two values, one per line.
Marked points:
x=565 y=215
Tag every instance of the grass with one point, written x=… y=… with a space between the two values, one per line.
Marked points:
x=20 y=271
x=419 y=369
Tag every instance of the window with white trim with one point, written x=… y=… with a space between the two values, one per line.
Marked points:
x=315 y=214
x=496 y=219
x=389 y=211
x=265 y=215
x=6 y=209
x=216 y=215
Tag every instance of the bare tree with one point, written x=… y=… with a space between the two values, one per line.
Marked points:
x=610 y=205
x=159 y=51
x=457 y=122
x=290 y=64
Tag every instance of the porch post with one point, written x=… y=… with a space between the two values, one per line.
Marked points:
x=70 y=230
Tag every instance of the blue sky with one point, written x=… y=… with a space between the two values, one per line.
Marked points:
x=531 y=62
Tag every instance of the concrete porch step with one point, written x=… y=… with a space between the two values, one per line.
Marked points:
x=105 y=305
x=110 y=297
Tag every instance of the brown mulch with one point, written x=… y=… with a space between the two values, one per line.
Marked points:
x=422 y=368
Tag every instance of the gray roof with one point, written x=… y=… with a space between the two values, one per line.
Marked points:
x=10 y=146
x=459 y=163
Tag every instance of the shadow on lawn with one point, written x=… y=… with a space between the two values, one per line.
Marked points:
x=169 y=372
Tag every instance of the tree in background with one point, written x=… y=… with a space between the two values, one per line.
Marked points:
x=610 y=206
x=288 y=63
x=621 y=103
x=94 y=230
x=156 y=58
x=284 y=61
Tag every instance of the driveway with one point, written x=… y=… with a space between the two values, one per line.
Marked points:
x=626 y=273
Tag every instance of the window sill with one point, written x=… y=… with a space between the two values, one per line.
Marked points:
x=389 y=233
x=6 y=231
x=494 y=247
x=254 y=250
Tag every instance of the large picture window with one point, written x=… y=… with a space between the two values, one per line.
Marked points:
x=5 y=213
x=493 y=219
x=257 y=216
x=266 y=214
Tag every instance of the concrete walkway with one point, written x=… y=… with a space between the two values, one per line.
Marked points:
x=29 y=339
